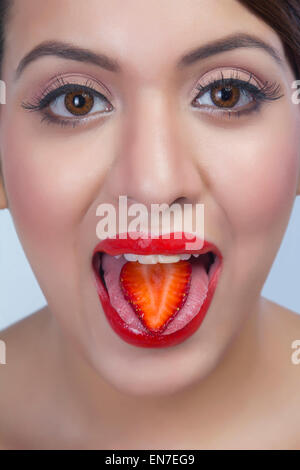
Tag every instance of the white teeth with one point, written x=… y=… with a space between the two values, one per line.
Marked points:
x=168 y=258
x=153 y=259
x=185 y=256
x=196 y=255
x=130 y=257
x=147 y=259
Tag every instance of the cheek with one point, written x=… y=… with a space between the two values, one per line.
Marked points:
x=254 y=184
x=49 y=189
x=50 y=178
x=257 y=180
x=36 y=194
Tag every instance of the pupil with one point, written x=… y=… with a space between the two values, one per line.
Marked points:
x=226 y=94
x=78 y=101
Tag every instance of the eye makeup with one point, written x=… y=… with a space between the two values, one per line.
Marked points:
x=226 y=92
x=60 y=87
x=223 y=94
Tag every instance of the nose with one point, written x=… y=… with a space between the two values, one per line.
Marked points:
x=155 y=163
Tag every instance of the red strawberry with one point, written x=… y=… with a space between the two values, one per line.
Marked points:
x=156 y=291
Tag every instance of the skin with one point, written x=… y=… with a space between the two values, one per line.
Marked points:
x=230 y=384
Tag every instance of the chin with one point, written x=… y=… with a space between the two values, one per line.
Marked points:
x=155 y=372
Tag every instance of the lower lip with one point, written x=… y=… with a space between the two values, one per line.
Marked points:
x=155 y=340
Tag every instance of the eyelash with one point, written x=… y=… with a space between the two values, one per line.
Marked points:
x=58 y=88
x=268 y=92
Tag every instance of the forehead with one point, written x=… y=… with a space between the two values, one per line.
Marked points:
x=145 y=37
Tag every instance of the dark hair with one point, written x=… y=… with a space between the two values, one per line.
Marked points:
x=282 y=15
x=4 y=12
x=284 y=18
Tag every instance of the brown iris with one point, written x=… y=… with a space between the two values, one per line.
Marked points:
x=79 y=102
x=225 y=96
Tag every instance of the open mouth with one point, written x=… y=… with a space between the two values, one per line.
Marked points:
x=152 y=298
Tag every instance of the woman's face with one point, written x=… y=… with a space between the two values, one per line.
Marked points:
x=149 y=137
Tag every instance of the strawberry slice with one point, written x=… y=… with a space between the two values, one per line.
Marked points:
x=156 y=291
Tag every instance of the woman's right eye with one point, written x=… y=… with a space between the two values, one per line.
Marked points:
x=79 y=103
x=67 y=105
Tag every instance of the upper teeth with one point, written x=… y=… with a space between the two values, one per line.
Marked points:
x=153 y=259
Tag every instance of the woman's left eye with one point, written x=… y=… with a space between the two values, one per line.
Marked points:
x=225 y=96
x=233 y=96
x=228 y=96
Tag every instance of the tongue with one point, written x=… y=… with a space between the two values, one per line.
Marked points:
x=196 y=295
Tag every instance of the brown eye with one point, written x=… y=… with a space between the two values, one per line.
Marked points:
x=225 y=96
x=79 y=102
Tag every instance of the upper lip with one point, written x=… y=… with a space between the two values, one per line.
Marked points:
x=148 y=246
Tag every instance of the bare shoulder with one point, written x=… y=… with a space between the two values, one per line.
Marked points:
x=25 y=345
x=281 y=336
x=21 y=340
x=287 y=321
x=281 y=332
x=24 y=326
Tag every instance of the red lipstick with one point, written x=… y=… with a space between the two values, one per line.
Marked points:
x=209 y=257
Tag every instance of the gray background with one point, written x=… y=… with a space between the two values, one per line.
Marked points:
x=20 y=294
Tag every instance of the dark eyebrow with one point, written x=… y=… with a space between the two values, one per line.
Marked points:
x=228 y=43
x=69 y=51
